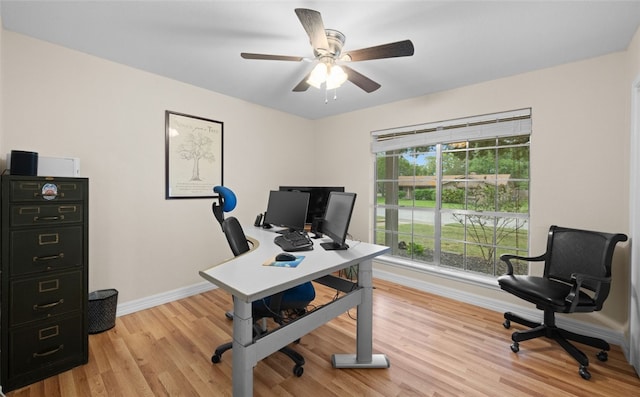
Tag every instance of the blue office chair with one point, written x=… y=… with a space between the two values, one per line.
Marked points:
x=292 y=301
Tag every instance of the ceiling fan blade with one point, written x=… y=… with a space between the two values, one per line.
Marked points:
x=361 y=80
x=391 y=50
x=302 y=85
x=248 y=55
x=312 y=23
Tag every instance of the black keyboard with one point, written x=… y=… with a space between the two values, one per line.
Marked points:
x=294 y=241
x=295 y=236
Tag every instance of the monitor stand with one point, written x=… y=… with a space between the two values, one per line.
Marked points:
x=333 y=246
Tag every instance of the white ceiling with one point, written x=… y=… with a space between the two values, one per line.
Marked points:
x=457 y=43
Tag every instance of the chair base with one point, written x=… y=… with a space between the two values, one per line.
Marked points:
x=548 y=329
x=296 y=357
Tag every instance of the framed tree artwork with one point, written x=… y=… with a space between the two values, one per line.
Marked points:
x=193 y=156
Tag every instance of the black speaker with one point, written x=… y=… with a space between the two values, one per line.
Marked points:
x=316 y=227
x=24 y=163
x=258 y=221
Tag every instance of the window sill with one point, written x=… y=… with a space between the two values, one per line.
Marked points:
x=466 y=277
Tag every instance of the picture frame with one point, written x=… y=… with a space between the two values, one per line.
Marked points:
x=193 y=156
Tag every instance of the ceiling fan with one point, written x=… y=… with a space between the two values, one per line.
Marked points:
x=327 y=50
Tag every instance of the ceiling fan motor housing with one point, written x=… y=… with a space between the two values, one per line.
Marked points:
x=336 y=40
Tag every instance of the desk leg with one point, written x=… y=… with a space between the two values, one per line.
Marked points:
x=364 y=357
x=242 y=371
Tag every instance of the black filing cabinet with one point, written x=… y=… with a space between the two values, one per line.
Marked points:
x=44 y=276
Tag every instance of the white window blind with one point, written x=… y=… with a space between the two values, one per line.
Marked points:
x=495 y=125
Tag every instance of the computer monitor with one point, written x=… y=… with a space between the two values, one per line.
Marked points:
x=337 y=217
x=317 y=199
x=287 y=209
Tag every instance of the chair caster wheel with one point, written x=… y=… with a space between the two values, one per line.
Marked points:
x=584 y=372
x=603 y=356
x=215 y=358
x=506 y=324
x=298 y=371
x=515 y=347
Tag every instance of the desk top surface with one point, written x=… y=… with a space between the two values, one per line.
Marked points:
x=247 y=278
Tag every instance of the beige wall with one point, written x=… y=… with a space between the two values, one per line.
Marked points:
x=633 y=56
x=60 y=102
x=579 y=153
x=66 y=103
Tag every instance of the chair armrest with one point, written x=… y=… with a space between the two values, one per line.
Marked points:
x=577 y=279
x=506 y=258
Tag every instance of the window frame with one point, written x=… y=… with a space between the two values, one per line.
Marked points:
x=469 y=130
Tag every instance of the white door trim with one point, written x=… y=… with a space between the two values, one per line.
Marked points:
x=634 y=210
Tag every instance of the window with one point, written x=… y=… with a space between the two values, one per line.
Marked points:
x=455 y=194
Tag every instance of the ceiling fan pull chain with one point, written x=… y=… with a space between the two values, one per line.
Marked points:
x=326 y=96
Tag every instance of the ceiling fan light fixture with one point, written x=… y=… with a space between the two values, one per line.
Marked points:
x=333 y=76
x=336 y=77
x=318 y=75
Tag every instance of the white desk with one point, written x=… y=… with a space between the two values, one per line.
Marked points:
x=248 y=280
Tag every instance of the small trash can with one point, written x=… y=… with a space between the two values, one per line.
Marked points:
x=102 y=310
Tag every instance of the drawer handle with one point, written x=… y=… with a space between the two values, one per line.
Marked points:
x=48 y=258
x=48 y=305
x=50 y=352
x=48 y=218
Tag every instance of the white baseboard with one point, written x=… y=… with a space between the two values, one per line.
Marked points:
x=162 y=298
x=611 y=336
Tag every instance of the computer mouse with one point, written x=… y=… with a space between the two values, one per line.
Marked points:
x=285 y=257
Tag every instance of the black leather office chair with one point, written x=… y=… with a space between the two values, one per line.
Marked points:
x=577 y=278
x=294 y=300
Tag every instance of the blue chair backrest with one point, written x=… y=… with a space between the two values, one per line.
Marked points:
x=226 y=202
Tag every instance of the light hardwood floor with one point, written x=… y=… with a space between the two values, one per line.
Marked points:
x=436 y=346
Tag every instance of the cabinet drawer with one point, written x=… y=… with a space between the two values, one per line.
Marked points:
x=39 y=250
x=51 y=214
x=45 y=344
x=46 y=190
x=46 y=296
